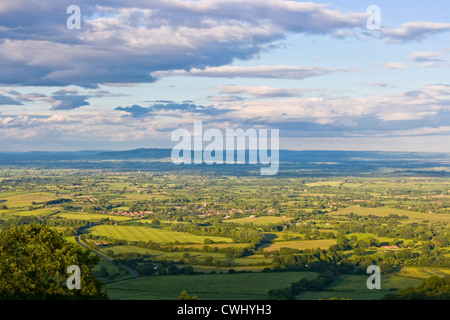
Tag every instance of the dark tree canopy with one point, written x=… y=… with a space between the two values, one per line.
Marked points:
x=33 y=265
x=433 y=288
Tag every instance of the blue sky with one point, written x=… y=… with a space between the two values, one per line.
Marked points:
x=138 y=70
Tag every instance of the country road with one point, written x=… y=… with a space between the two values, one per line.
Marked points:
x=134 y=273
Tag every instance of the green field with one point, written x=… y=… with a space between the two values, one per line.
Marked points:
x=354 y=287
x=137 y=233
x=161 y=254
x=26 y=198
x=362 y=236
x=386 y=211
x=324 y=183
x=209 y=269
x=218 y=245
x=38 y=212
x=91 y=216
x=263 y=220
x=300 y=245
x=239 y=286
x=422 y=272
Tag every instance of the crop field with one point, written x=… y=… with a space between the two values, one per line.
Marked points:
x=137 y=233
x=300 y=245
x=70 y=239
x=280 y=236
x=25 y=199
x=239 y=286
x=144 y=196
x=422 y=272
x=197 y=256
x=10 y=194
x=217 y=245
x=129 y=249
x=354 y=287
x=369 y=235
x=244 y=268
x=38 y=212
x=330 y=183
x=386 y=211
x=264 y=220
x=91 y=216
x=161 y=254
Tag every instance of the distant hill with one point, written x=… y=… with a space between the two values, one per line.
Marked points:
x=327 y=162
x=289 y=155
x=285 y=155
x=142 y=153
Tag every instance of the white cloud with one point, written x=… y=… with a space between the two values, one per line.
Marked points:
x=396 y=116
x=268 y=72
x=426 y=56
x=424 y=131
x=412 y=31
x=263 y=91
x=395 y=65
x=129 y=42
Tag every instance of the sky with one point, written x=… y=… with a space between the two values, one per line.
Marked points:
x=137 y=70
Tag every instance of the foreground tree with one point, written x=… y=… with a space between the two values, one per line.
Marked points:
x=185 y=296
x=433 y=288
x=33 y=265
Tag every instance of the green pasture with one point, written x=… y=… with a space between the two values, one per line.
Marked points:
x=91 y=216
x=70 y=239
x=262 y=220
x=161 y=254
x=144 y=196
x=386 y=211
x=238 y=286
x=422 y=272
x=354 y=287
x=159 y=235
x=300 y=245
x=7 y=194
x=280 y=236
x=177 y=256
x=330 y=183
x=21 y=199
x=213 y=245
x=363 y=236
x=44 y=212
x=209 y=269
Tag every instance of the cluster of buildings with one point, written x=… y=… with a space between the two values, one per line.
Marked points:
x=389 y=248
x=133 y=214
x=226 y=213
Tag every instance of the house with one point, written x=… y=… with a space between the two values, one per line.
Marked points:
x=390 y=247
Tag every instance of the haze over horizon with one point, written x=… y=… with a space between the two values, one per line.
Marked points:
x=136 y=71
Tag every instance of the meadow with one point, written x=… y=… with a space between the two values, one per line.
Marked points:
x=238 y=286
x=241 y=223
x=263 y=220
x=354 y=287
x=422 y=273
x=91 y=216
x=300 y=245
x=158 y=235
x=418 y=217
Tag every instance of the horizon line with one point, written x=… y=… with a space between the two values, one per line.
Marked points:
x=154 y=148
